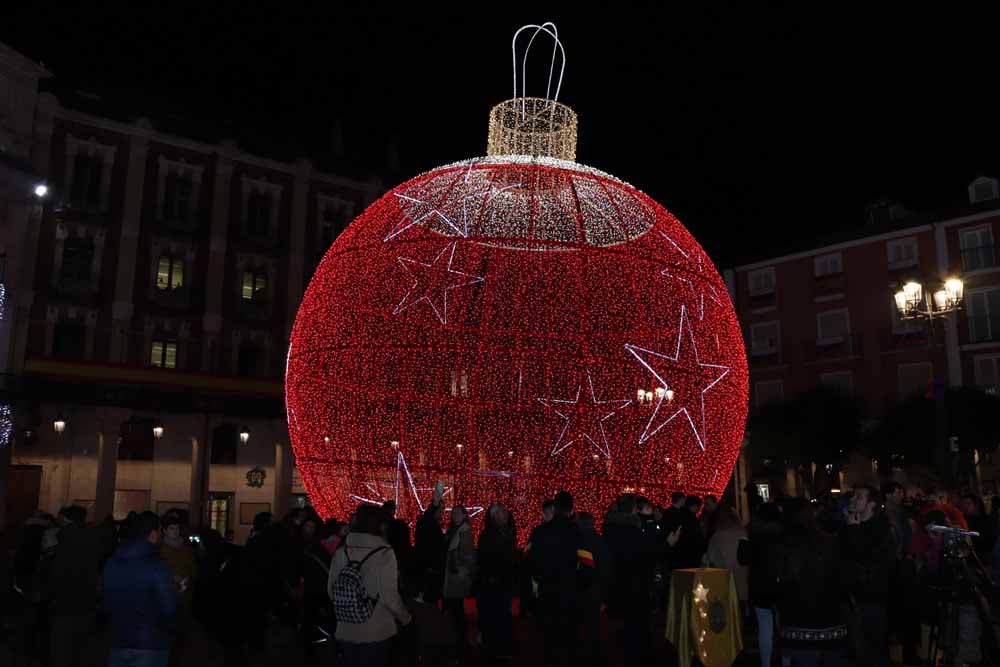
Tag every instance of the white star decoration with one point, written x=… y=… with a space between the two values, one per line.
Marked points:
x=584 y=420
x=460 y=205
x=701 y=378
x=700 y=593
x=375 y=495
x=432 y=282
x=697 y=297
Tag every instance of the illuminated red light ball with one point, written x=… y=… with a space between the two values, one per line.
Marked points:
x=513 y=327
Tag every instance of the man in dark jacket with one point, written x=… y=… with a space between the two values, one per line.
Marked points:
x=429 y=549
x=554 y=558
x=72 y=586
x=140 y=599
x=594 y=582
x=869 y=553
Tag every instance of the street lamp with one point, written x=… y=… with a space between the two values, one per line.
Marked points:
x=244 y=435
x=41 y=190
x=59 y=423
x=915 y=301
x=157 y=429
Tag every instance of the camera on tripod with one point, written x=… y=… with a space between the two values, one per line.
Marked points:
x=956 y=540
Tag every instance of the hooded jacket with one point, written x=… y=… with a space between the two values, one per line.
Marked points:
x=460 y=563
x=140 y=597
x=380 y=575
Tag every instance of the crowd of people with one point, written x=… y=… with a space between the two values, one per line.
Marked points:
x=820 y=581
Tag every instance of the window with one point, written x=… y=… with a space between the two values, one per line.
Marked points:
x=765 y=338
x=163 y=354
x=136 y=440
x=336 y=215
x=225 y=442
x=219 y=511
x=68 y=340
x=902 y=253
x=988 y=371
x=762 y=281
x=832 y=326
x=913 y=378
x=178 y=190
x=85 y=191
x=842 y=381
x=983 y=189
x=460 y=383
x=254 y=285
x=169 y=273
x=764 y=491
x=977 y=248
x=829 y=265
x=901 y=327
x=258 y=213
x=77 y=260
x=248 y=360
x=769 y=391
x=983 y=314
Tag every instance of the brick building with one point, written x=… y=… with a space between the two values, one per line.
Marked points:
x=826 y=315
x=155 y=285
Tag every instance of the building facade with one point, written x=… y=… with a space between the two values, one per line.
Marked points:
x=826 y=315
x=148 y=321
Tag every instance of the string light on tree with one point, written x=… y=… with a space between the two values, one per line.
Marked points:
x=512 y=304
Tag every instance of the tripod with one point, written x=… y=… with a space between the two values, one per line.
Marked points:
x=965 y=632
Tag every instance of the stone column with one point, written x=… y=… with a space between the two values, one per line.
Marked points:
x=135 y=177
x=107 y=473
x=198 y=490
x=215 y=277
x=282 y=478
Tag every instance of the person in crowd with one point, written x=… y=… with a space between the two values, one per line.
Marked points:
x=316 y=611
x=261 y=584
x=140 y=598
x=974 y=510
x=723 y=548
x=434 y=636
x=903 y=610
x=710 y=516
x=73 y=572
x=940 y=501
x=528 y=584
x=178 y=554
x=28 y=580
x=398 y=532
x=691 y=547
x=429 y=548
x=594 y=584
x=762 y=553
x=334 y=531
x=869 y=553
x=553 y=555
x=497 y=575
x=895 y=512
x=459 y=570
x=812 y=628
x=364 y=587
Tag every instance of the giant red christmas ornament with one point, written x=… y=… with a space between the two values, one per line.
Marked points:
x=512 y=326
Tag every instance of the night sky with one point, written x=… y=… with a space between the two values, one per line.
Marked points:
x=760 y=129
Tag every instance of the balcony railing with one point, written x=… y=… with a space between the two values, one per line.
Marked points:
x=763 y=357
x=904 y=339
x=979 y=257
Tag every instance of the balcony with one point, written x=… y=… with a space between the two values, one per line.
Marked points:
x=765 y=358
x=830 y=283
x=978 y=257
x=832 y=348
x=763 y=299
x=256 y=309
x=178 y=297
x=88 y=214
x=896 y=340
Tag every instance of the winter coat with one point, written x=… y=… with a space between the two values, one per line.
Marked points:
x=181 y=562
x=869 y=552
x=722 y=552
x=632 y=564
x=380 y=576
x=74 y=569
x=594 y=581
x=762 y=552
x=429 y=544
x=460 y=563
x=140 y=597
x=553 y=558
x=497 y=559
x=811 y=596
x=690 y=548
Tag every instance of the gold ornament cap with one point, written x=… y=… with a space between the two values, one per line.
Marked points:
x=536 y=126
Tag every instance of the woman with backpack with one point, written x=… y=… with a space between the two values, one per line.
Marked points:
x=364 y=587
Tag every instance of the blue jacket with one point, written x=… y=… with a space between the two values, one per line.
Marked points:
x=140 y=597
